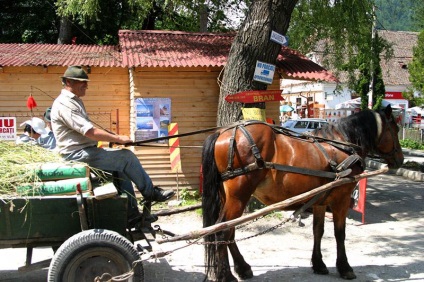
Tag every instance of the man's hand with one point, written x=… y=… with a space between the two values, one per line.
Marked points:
x=122 y=139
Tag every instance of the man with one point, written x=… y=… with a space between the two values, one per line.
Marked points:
x=49 y=141
x=76 y=139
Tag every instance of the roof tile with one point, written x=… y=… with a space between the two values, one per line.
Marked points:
x=14 y=54
x=144 y=48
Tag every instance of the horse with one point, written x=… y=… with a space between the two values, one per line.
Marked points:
x=252 y=158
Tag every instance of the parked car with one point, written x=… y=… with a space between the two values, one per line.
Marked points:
x=304 y=124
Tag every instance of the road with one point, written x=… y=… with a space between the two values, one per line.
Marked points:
x=388 y=247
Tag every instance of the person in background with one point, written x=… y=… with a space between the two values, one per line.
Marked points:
x=34 y=129
x=49 y=141
x=77 y=138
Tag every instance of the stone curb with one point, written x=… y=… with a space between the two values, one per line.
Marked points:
x=410 y=174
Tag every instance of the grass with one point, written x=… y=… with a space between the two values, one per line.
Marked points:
x=18 y=164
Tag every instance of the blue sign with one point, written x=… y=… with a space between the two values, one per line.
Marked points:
x=279 y=38
x=264 y=72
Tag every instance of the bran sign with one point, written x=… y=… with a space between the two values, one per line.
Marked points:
x=255 y=96
x=7 y=128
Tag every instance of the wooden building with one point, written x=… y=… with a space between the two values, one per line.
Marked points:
x=180 y=67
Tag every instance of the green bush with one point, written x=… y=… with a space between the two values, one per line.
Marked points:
x=411 y=144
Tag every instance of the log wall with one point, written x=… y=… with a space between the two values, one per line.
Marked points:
x=193 y=92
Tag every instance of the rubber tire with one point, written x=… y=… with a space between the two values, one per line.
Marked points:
x=92 y=253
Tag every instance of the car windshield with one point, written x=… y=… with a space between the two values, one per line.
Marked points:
x=289 y=123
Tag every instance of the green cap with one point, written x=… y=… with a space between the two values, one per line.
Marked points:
x=76 y=73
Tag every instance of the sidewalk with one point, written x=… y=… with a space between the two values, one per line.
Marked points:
x=411 y=155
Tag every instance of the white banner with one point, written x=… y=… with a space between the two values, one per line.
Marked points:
x=7 y=128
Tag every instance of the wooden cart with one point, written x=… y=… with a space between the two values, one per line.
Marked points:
x=89 y=236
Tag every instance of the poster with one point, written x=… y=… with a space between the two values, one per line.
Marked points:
x=153 y=116
x=8 y=128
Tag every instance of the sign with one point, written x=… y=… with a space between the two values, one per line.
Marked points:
x=264 y=72
x=279 y=38
x=253 y=114
x=152 y=116
x=359 y=195
x=255 y=96
x=393 y=95
x=174 y=148
x=8 y=128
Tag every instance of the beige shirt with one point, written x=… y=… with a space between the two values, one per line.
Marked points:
x=70 y=123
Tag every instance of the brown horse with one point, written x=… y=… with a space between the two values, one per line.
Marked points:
x=272 y=164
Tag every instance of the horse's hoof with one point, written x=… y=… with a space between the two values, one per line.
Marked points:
x=246 y=275
x=244 y=272
x=321 y=271
x=348 y=275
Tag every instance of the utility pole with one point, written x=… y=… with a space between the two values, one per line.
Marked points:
x=373 y=31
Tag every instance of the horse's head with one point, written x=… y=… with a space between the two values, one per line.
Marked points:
x=387 y=145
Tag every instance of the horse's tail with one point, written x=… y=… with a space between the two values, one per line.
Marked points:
x=211 y=204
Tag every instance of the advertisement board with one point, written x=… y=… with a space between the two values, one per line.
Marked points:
x=152 y=115
x=8 y=128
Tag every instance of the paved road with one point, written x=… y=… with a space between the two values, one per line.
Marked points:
x=389 y=247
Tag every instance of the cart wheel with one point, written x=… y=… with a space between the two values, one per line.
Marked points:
x=95 y=253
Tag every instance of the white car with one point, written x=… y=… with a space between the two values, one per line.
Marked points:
x=304 y=124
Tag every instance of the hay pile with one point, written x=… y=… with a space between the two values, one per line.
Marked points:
x=18 y=164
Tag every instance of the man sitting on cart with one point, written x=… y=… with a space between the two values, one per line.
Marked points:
x=77 y=138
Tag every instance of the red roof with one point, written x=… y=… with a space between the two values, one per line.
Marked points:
x=157 y=48
x=146 y=48
x=294 y=65
x=59 y=55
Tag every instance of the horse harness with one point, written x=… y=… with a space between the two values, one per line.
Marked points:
x=339 y=170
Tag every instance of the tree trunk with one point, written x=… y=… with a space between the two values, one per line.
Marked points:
x=65 y=31
x=203 y=18
x=252 y=44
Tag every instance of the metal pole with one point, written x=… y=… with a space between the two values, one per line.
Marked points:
x=370 y=93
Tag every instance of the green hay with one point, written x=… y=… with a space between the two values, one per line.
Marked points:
x=19 y=163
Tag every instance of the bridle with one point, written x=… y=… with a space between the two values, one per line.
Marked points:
x=395 y=148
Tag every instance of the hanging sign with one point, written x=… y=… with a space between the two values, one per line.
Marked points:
x=152 y=116
x=279 y=38
x=255 y=96
x=264 y=72
x=359 y=196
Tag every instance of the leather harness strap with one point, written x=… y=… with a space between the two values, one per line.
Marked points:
x=342 y=170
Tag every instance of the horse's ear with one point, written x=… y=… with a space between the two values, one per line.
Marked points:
x=388 y=111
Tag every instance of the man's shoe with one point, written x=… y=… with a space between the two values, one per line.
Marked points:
x=160 y=195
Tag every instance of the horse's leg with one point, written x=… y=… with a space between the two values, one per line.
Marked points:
x=223 y=270
x=241 y=267
x=318 y=264
x=340 y=211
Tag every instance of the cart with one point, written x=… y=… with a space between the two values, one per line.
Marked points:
x=89 y=236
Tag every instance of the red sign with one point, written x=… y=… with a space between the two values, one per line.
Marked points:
x=255 y=96
x=360 y=206
x=393 y=95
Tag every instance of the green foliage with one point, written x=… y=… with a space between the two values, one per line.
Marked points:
x=189 y=196
x=326 y=27
x=416 y=69
x=399 y=15
x=411 y=144
x=27 y=21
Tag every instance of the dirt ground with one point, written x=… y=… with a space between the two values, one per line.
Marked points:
x=389 y=247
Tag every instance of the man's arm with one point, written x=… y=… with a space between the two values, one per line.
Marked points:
x=102 y=135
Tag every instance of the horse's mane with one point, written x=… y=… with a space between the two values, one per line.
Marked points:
x=359 y=128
